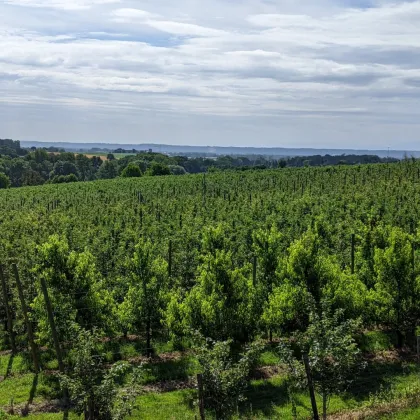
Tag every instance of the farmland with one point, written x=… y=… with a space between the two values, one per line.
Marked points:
x=144 y=270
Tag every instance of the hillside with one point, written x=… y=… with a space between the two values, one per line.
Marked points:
x=240 y=256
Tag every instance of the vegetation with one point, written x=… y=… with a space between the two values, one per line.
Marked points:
x=143 y=269
x=22 y=167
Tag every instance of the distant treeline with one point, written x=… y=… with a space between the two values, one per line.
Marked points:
x=24 y=167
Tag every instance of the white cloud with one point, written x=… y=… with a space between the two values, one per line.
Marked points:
x=303 y=74
x=61 y=4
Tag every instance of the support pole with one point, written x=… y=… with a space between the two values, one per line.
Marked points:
x=52 y=325
x=201 y=396
x=8 y=311
x=31 y=340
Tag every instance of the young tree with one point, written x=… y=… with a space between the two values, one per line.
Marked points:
x=145 y=298
x=93 y=389
x=266 y=244
x=309 y=273
x=77 y=292
x=334 y=358
x=222 y=303
x=397 y=289
x=224 y=379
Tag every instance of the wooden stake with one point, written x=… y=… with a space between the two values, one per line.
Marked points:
x=8 y=311
x=201 y=396
x=52 y=325
x=170 y=259
x=310 y=386
x=31 y=340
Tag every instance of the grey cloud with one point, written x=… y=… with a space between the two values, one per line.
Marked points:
x=190 y=71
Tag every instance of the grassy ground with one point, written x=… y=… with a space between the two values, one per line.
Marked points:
x=266 y=398
x=409 y=414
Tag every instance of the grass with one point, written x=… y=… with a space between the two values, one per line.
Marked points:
x=268 y=358
x=409 y=414
x=44 y=416
x=266 y=398
x=171 y=405
x=375 y=341
x=178 y=369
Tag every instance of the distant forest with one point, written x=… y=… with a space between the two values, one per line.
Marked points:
x=36 y=166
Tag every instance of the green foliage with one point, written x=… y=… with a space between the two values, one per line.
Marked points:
x=397 y=290
x=94 y=390
x=159 y=169
x=4 y=181
x=375 y=341
x=63 y=179
x=297 y=222
x=145 y=297
x=131 y=171
x=222 y=303
x=177 y=170
x=224 y=378
x=75 y=290
x=334 y=357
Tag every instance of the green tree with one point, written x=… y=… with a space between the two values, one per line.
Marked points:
x=65 y=168
x=77 y=292
x=93 y=389
x=177 y=170
x=222 y=303
x=4 y=181
x=334 y=357
x=108 y=170
x=224 y=379
x=159 y=169
x=131 y=171
x=145 y=298
x=308 y=272
x=397 y=290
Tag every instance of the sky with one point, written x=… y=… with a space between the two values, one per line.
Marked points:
x=263 y=73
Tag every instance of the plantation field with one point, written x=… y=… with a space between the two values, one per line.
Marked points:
x=152 y=266
x=103 y=156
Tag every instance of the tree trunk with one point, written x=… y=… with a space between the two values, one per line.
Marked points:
x=400 y=339
x=324 y=405
x=310 y=386
x=148 y=334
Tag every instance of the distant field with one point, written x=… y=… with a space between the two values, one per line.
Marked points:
x=102 y=155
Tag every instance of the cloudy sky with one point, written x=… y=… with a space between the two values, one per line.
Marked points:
x=324 y=73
